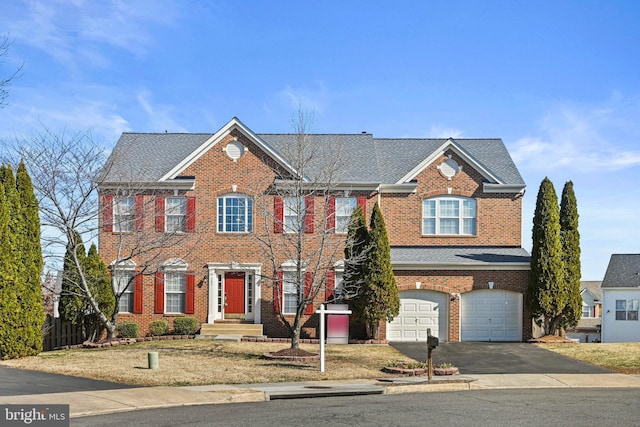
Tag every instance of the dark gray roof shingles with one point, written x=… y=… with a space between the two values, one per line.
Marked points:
x=623 y=271
x=461 y=255
x=367 y=159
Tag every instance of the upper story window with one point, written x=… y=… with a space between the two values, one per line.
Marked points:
x=344 y=208
x=123 y=214
x=626 y=309
x=175 y=214
x=586 y=310
x=175 y=211
x=449 y=216
x=293 y=214
x=235 y=214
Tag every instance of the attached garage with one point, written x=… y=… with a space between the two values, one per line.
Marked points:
x=491 y=315
x=420 y=310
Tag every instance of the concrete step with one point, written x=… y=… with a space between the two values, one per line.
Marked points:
x=244 y=329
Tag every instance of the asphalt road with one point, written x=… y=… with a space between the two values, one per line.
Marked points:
x=15 y=382
x=516 y=407
x=499 y=358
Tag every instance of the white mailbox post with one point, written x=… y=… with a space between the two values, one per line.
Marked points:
x=322 y=312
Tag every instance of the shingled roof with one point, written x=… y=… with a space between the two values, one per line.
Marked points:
x=623 y=271
x=409 y=257
x=152 y=156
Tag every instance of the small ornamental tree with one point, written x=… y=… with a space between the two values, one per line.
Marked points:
x=547 y=295
x=570 y=238
x=379 y=299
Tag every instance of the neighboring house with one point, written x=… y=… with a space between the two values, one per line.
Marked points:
x=621 y=298
x=588 y=329
x=452 y=207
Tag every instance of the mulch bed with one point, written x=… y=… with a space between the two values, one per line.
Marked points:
x=552 y=339
x=293 y=354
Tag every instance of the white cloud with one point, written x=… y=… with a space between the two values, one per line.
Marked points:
x=584 y=138
x=437 y=131
x=72 y=32
x=160 y=117
x=32 y=109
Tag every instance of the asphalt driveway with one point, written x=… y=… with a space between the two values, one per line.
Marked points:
x=499 y=358
x=15 y=382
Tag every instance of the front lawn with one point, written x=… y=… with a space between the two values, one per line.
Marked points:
x=199 y=362
x=619 y=357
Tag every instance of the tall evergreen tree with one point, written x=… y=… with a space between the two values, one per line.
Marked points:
x=29 y=249
x=354 y=255
x=9 y=305
x=72 y=302
x=99 y=280
x=570 y=237
x=547 y=295
x=380 y=298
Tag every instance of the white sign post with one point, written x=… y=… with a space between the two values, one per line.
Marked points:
x=322 y=311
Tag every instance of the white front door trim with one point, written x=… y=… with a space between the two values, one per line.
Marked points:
x=216 y=269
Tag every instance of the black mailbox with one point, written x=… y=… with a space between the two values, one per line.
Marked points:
x=432 y=342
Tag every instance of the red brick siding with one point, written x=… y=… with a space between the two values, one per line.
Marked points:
x=498 y=223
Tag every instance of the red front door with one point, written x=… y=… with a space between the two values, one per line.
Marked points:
x=234 y=293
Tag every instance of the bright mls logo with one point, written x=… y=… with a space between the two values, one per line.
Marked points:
x=35 y=415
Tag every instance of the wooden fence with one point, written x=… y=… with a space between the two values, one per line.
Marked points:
x=59 y=334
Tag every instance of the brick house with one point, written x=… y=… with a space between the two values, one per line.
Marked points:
x=452 y=207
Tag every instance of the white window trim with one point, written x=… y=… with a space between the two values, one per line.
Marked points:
x=290 y=267
x=168 y=214
x=461 y=217
x=121 y=219
x=336 y=216
x=248 y=216
x=117 y=270
x=175 y=266
x=628 y=302
x=298 y=217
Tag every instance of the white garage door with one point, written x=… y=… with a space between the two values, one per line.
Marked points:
x=420 y=310
x=491 y=315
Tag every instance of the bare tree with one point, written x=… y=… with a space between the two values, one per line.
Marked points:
x=68 y=173
x=298 y=236
x=6 y=81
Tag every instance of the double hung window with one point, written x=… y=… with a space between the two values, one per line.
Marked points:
x=124 y=214
x=175 y=211
x=344 y=208
x=627 y=309
x=124 y=286
x=175 y=290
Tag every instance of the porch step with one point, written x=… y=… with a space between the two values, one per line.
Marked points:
x=244 y=329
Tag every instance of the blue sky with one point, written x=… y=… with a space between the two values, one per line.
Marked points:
x=558 y=81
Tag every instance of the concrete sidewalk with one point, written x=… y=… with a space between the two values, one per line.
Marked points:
x=97 y=402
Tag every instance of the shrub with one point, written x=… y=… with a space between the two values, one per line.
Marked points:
x=185 y=325
x=128 y=330
x=159 y=327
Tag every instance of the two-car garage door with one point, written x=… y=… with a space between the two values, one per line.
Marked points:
x=420 y=310
x=485 y=315
x=491 y=315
